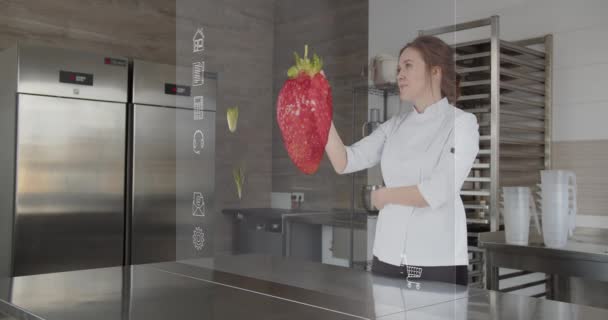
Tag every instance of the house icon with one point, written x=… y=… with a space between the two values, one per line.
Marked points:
x=198 y=40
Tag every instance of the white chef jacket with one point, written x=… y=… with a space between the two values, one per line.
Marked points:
x=435 y=151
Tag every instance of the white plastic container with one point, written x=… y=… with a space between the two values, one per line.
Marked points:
x=384 y=69
x=518 y=205
x=552 y=177
x=558 y=206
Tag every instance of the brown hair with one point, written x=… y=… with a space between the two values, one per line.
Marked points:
x=437 y=53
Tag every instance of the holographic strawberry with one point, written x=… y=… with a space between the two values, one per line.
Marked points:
x=304 y=112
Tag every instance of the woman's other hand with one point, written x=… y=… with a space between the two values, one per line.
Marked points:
x=379 y=198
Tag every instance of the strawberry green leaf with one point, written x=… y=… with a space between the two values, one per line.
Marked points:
x=304 y=64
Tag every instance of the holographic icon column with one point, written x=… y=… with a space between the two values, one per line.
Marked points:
x=195 y=133
x=198 y=139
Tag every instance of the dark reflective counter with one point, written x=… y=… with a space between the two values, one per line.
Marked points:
x=259 y=287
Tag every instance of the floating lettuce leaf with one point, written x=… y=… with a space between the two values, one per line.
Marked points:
x=239 y=180
x=232 y=115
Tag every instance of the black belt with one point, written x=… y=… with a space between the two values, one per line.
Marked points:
x=451 y=274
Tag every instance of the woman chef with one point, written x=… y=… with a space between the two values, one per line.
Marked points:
x=425 y=155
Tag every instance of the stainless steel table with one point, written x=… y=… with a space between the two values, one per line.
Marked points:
x=254 y=287
x=585 y=255
x=5 y=317
x=284 y=220
x=499 y=306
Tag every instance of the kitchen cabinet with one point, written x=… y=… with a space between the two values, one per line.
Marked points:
x=258 y=235
x=262 y=231
x=337 y=245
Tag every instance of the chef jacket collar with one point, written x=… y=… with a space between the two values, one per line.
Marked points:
x=432 y=110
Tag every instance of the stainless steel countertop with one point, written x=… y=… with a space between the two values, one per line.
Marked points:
x=277 y=212
x=343 y=289
x=585 y=255
x=333 y=217
x=5 y=317
x=146 y=293
x=586 y=243
x=496 y=305
x=258 y=287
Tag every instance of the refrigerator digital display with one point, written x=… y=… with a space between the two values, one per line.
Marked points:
x=76 y=78
x=115 y=62
x=177 y=90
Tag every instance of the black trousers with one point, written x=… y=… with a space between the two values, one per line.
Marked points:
x=452 y=274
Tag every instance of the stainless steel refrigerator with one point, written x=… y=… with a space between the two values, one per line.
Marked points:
x=173 y=176
x=62 y=164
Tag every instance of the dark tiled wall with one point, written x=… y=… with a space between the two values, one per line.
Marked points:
x=141 y=29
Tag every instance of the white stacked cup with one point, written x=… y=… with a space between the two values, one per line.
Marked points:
x=518 y=203
x=558 y=192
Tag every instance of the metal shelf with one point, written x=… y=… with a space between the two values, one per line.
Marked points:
x=521 y=102
x=476 y=207
x=521 y=168
x=481 y=166
x=505 y=59
x=463 y=57
x=483 y=96
x=519 y=78
x=504 y=45
x=484 y=152
x=482 y=202
x=464 y=71
x=503 y=99
x=518 y=75
x=475 y=273
x=503 y=72
x=520 y=128
x=523 y=63
x=508 y=110
x=383 y=91
x=519 y=88
x=508 y=86
x=511 y=128
x=522 y=142
x=521 y=114
x=478 y=110
x=521 y=49
x=477 y=221
x=521 y=154
x=481 y=192
x=471 y=43
x=475 y=249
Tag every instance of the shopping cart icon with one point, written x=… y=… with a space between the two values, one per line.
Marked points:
x=413 y=273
